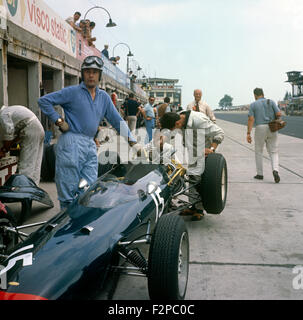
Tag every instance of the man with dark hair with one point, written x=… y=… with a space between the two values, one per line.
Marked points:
x=85 y=106
x=195 y=126
x=115 y=60
x=163 y=108
x=261 y=112
x=73 y=21
x=132 y=110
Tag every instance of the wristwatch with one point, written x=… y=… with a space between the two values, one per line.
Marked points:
x=59 y=121
x=213 y=149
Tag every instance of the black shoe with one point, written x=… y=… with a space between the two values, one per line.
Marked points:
x=276 y=176
x=258 y=177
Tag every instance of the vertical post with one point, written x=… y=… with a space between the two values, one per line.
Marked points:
x=34 y=75
x=3 y=74
x=58 y=84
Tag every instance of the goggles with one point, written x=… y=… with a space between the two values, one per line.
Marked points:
x=89 y=61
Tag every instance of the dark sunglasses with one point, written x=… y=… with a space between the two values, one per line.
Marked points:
x=93 y=59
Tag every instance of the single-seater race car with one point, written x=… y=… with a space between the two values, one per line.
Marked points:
x=104 y=232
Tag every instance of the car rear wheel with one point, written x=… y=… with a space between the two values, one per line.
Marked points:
x=168 y=261
x=213 y=188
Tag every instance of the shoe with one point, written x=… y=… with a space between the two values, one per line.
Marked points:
x=276 y=176
x=258 y=177
x=196 y=214
x=187 y=212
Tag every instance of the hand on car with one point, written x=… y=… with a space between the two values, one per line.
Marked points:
x=208 y=151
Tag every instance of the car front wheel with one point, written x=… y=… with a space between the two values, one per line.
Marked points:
x=213 y=188
x=168 y=261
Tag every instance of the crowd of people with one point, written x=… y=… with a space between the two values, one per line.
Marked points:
x=85 y=27
x=86 y=106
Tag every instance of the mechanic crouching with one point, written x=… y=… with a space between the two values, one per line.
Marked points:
x=20 y=125
x=85 y=106
x=192 y=124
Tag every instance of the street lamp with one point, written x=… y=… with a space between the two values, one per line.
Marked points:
x=128 y=55
x=137 y=66
x=110 y=22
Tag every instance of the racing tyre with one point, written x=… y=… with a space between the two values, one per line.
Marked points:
x=213 y=188
x=168 y=261
x=8 y=240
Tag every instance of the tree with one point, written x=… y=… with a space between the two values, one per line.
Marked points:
x=226 y=102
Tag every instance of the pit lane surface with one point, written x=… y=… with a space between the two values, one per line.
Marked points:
x=293 y=128
x=252 y=249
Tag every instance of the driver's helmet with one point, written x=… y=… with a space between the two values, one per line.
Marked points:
x=92 y=62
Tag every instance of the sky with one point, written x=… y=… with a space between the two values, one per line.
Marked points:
x=218 y=46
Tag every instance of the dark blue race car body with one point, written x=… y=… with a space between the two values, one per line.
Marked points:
x=72 y=254
x=75 y=249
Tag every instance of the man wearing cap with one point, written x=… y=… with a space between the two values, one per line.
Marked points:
x=85 y=106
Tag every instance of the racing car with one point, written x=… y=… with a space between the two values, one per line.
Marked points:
x=104 y=232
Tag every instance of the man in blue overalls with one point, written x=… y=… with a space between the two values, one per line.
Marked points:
x=85 y=106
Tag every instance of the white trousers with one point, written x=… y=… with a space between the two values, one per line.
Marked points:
x=132 y=121
x=29 y=163
x=264 y=136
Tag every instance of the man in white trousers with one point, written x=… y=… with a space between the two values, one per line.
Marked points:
x=261 y=112
x=19 y=124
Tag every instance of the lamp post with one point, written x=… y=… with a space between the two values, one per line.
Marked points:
x=137 y=66
x=128 y=55
x=110 y=22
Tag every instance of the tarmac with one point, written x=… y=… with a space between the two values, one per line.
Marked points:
x=251 y=251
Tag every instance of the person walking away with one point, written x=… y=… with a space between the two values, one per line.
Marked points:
x=190 y=122
x=201 y=106
x=20 y=125
x=131 y=110
x=261 y=112
x=85 y=107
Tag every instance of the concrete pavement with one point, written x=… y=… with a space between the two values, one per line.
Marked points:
x=251 y=249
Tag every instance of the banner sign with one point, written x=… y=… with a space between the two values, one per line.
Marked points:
x=36 y=17
x=83 y=49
